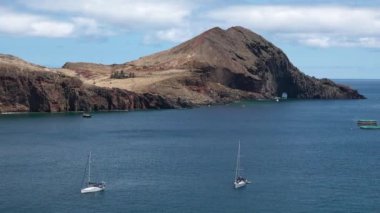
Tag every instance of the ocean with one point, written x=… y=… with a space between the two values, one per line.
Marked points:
x=301 y=156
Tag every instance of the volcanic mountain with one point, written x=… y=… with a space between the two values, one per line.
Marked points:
x=221 y=66
x=218 y=66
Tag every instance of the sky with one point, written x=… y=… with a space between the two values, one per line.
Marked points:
x=323 y=38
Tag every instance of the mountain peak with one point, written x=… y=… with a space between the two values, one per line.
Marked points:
x=238 y=28
x=238 y=58
x=218 y=30
x=213 y=31
x=230 y=48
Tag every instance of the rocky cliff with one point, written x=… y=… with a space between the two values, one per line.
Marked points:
x=25 y=87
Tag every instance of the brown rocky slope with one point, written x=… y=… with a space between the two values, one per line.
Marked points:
x=240 y=59
x=25 y=87
x=221 y=66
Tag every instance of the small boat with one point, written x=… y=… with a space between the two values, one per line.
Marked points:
x=367 y=123
x=90 y=186
x=239 y=180
x=369 y=127
x=86 y=115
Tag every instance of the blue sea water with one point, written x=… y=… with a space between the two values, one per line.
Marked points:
x=301 y=156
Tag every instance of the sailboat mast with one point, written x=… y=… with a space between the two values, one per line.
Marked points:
x=89 y=167
x=237 y=162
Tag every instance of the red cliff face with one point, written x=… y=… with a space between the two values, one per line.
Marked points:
x=34 y=89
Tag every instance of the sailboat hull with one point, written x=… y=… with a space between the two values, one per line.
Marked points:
x=91 y=189
x=239 y=184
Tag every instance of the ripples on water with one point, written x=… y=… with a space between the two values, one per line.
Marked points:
x=302 y=156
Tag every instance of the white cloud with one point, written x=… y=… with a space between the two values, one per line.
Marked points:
x=90 y=28
x=177 y=20
x=321 y=41
x=174 y=34
x=32 y=25
x=370 y=42
x=126 y=13
x=51 y=28
x=321 y=26
x=158 y=20
x=331 y=40
x=27 y=24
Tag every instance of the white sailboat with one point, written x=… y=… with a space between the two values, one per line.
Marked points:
x=91 y=186
x=239 y=180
